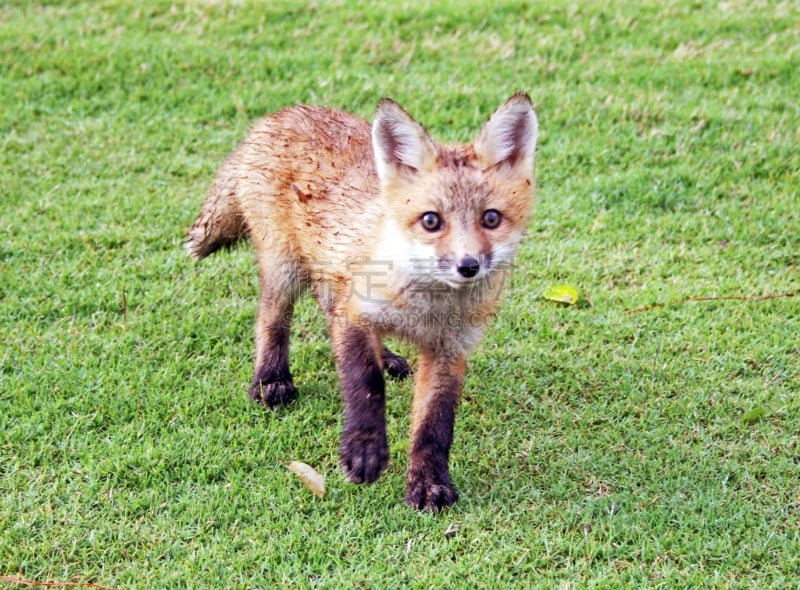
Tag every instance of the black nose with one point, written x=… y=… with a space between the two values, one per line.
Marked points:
x=468 y=267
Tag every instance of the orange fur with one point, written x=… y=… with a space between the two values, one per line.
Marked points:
x=394 y=234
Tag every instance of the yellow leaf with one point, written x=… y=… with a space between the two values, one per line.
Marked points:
x=754 y=415
x=312 y=478
x=562 y=293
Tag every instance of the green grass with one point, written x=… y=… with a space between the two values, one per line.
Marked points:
x=595 y=448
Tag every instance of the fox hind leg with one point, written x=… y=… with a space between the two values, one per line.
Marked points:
x=395 y=365
x=273 y=385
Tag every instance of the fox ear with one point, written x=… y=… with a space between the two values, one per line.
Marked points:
x=400 y=144
x=509 y=136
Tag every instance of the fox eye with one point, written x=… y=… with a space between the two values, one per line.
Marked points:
x=491 y=218
x=431 y=221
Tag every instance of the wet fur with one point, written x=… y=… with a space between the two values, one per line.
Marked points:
x=327 y=199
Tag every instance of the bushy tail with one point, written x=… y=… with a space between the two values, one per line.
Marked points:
x=220 y=223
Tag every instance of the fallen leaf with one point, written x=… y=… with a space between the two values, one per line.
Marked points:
x=312 y=478
x=753 y=415
x=452 y=530
x=562 y=294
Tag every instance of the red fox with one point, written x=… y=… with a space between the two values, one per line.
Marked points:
x=395 y=235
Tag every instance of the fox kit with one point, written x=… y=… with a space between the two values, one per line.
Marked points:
x=395 y=235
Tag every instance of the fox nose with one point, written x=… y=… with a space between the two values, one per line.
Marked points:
x=468 y=267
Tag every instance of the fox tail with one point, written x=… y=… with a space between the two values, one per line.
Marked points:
x=220 y=223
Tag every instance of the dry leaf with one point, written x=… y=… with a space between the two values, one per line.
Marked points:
x=312 y=478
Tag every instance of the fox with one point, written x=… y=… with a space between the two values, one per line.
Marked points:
x=396 y=236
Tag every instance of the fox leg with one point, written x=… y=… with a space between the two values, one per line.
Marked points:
x=364 y=449
x=272 y=383
x=436 y=392
x=395 y=365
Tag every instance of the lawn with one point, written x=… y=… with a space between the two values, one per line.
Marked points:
x=646 y=437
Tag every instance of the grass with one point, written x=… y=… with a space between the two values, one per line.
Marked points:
x=595 y=448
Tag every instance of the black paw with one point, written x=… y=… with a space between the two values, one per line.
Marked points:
x=273 y=394
x=364 y=456
x=395 y=366
x=424 y=493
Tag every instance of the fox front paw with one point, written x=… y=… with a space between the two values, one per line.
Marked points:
x=424 y=493
x=364 y=456
x=273 y=394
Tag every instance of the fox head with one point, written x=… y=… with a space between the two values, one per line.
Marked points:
x=455 y=213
